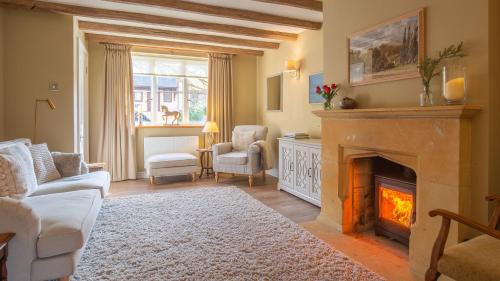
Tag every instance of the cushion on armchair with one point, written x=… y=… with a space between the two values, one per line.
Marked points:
x=477 y=259
x=242 y=140
x=233 y=158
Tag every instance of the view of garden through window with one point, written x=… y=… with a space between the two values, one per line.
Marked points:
x=167 y=85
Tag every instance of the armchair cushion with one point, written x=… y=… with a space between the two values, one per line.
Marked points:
x=477 y=259
x=260 y=131
x=233 y=158
x=242 y=140
x=65 y=226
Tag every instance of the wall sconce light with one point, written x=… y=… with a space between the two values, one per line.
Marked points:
x=292 y=67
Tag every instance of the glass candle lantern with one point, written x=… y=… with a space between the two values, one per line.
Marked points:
x=454 y=84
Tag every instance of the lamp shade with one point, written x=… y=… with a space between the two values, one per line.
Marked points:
x=291 y=65
x=210 y=127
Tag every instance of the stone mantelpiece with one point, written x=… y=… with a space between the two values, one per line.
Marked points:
x=434 y=141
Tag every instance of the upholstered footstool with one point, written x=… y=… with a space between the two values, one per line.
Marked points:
x=171 y=164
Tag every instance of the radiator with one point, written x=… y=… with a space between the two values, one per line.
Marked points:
x=158 y=145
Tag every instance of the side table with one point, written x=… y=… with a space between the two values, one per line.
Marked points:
x=95 y=167
x=205 y=161
x=4 y=241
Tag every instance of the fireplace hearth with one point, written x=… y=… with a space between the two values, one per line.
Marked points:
x=394 y=207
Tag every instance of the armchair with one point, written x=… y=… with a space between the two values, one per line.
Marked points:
x=476 y=259
x=249 y=162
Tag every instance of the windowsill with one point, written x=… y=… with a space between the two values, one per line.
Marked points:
x=169 y=126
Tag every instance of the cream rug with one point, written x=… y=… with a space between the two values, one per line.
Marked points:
x=217 y=233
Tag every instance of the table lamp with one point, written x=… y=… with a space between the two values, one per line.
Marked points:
x=210 y=129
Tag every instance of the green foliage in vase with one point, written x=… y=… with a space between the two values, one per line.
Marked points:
x=429 y=67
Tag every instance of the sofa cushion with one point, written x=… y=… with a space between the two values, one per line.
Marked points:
x=477 y=260
x=67 y=220
x=26 y=142
x=68 y=164
x=45 y=169
x=233 y=158
x=168 y=160
x=97 y=180
x=17 y=175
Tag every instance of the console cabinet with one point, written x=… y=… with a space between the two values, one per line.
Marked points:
x=300 y=168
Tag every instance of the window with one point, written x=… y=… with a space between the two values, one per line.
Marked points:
x=173 y=84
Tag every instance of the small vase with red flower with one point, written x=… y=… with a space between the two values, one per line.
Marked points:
x=328 y=93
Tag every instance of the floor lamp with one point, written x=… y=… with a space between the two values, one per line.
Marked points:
x=52 y=107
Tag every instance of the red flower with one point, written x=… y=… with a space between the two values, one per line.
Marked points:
x=318 y=90
x=334 y=86
x=326 y=89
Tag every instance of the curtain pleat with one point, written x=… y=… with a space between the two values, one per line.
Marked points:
x=117 y=143
x=220 y=94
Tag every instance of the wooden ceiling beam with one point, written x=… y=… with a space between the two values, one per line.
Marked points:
x=304 y=4
x=225 y=12
x=170 y=44
x=152 y=19
x=134 y=30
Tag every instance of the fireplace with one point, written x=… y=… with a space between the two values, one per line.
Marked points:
x=434 y=142
x=394 y=207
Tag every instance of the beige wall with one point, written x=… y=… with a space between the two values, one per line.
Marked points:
x=38 y=48
x=447 y=22
x=245 y=96
x=244 y=101
x=2 y=111
x=296 y=115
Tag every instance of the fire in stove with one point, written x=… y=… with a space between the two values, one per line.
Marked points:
x=396 y=206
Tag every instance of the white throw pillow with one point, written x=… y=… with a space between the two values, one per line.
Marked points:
x=45 y=169
x=17 y=174
x=242 y=140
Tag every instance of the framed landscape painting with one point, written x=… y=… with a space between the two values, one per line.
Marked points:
x=389 y=51
x=315 y=80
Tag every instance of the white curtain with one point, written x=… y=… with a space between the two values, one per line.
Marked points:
x=220 y=94
x=117 y=145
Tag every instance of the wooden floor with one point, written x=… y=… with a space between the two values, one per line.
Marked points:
x=385 y=257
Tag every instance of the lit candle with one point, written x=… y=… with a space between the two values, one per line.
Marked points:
x=455 y=89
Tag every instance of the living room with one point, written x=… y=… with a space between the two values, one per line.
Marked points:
x=249 y=140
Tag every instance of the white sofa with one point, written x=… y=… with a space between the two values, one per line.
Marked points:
x=51 y=226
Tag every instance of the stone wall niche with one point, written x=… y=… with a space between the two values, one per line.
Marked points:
x=435 y=142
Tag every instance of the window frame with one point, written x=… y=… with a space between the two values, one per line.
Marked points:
x=153 y=60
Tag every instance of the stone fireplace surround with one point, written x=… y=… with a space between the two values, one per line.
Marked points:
x=433 y=141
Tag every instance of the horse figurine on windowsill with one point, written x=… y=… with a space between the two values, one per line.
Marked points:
x=167 y=113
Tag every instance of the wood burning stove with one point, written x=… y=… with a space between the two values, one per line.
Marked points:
x=394 y=207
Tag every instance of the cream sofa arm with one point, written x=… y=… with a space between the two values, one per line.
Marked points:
x=17 y=217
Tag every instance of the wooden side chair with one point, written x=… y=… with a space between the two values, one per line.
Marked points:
x=477 y=259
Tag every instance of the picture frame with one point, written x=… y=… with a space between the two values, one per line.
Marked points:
x=317 y=79
x=389 y=51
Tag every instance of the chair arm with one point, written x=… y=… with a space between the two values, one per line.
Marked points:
x=253 y=148
x=19 y=218
x=477 y=226
x=221 y=148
